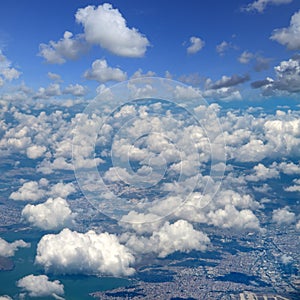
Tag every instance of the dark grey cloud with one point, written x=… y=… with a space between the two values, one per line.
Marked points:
x=287 y=78
x=260 y=83
x=229 y=81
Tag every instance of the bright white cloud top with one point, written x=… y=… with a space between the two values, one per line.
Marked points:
x=101 y=72
x=8 y=249
x=41 y=286
x=52 y=214
x=289 y=36
x=91 y=254
x=105 y=26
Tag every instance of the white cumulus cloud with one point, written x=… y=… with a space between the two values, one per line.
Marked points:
x=35 y=151
x=289 y=36
x=263 y=173
x=84 y=253
x=68 y=47
x=53 y=214
x=6 y=70
x=75 y=90
x=101 y=72
x=230 y=217
x=29 y=191
x=36 y=190
x=196 y=44
x=41 y=286
x=9 y=249
x=283 y=216
x=10 y=74
x=105 y=26
x=61 y=189
x=295 y=187
x=179 y=236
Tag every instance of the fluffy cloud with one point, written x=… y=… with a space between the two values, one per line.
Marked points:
x=260 y=5
x=6 y=70
x=68 y=47
x=196 y=44
x=295 y=187
x=290 y=36
x=84 y=253
x=75 y=90
x=9 y=249
x=289 y=168
x=179 y=236
x=61 y=189
x=283 y=216
x=53 y=214
x=226 y=209
x=5 y=297
x=50 y=91
x=41 y=286
x=273 y=136
x=230 y=217
x=35 y=151
x=102 y=72
x=29 y=191
x=105 y=26
x=36 y=190
x=288 y=75
x=263 y=173
x=10 y=74
x=287 y=78
x=140 y=222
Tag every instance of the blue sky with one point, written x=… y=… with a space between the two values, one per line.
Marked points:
x=235 y=38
